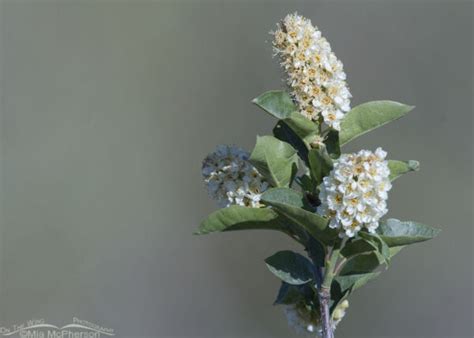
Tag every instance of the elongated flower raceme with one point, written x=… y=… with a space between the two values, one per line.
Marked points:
x=355 y=192
x=231 y=179
x=314 y=73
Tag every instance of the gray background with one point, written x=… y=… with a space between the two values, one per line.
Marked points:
x=108 y=107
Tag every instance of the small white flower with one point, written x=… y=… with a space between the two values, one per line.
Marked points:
x=315 y=75
x=231 y=179
x=354 y=194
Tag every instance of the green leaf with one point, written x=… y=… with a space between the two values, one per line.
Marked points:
x=290 y=267
x=396 y=233
x=303 y=127
x=379 y=243
x=275 y=160
x=292 y=294
x=283 y=196
x=395 y=250
x=337 y=295
x=316 y=252
x=320 y=164
x=365 y=263
x=332 y=144
x=353 y=282
x=277 y=103
x=368 y=116
x=298 y=131
x=284 y=133
x=360 y=264
x=241 y=218
x=305 y=182
x=398 y=168
x=357 y=247
x=290 y=203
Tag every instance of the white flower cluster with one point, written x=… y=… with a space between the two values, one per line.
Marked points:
x=315 y=75
x=354 y=194
x=231 y=179
x=300 y=320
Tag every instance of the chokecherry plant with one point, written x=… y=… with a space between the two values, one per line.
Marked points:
x=298 y=182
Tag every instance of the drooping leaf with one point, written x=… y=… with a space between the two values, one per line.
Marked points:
x=368 y=116
x=356 y=247
x=353 y=282
x=290 y=267
x=292 y=294
x=275 y=160
x=398 y=168
x=276 y=102
x=241 y=218
x=396 y=233
x=320 y=164
x=290 y=203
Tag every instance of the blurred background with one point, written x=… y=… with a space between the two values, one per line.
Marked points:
x=107 y=109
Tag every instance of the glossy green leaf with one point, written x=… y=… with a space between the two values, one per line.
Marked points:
x=241 y=218
x=369 y=116
x=275 y=160
x=320 y=164
x=353 y=282
x=290 y=267
x=277 y=103
x=398 y=168
x=396 y=233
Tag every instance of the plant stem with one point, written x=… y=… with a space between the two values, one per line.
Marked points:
x=324 y=293
x=324 y=298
